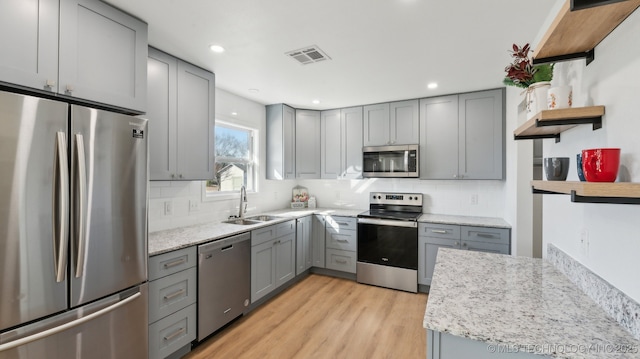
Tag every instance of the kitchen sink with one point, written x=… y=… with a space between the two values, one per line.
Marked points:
x=242 y=221
x=263 y=218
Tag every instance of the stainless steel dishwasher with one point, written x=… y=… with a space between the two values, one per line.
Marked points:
x=224 y=282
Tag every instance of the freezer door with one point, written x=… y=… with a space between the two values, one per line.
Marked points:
x=112 y=328
x=109 y=203
x=33 y=220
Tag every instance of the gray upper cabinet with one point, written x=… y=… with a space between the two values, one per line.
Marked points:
x=341 y=143
x=181 y=119
x=29 y=43
x=83 y=49
x=281 y=131
x=308 y=145
x=394 y=123
x=462 y=136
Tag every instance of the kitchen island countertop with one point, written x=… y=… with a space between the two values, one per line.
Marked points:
x=177 y=238
x=520 y=302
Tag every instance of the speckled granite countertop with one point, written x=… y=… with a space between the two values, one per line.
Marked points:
x=465 y=220
x=173 y=239
x=520 y=302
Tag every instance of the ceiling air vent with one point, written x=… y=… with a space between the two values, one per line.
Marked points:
x=308 y=55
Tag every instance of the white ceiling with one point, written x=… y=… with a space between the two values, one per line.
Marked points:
x=381 y=50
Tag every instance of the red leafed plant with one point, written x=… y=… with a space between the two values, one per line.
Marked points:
x=522 y=72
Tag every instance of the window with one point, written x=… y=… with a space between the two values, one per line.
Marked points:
x=234 y=166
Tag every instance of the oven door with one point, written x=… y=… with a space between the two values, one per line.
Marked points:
x=388 y=242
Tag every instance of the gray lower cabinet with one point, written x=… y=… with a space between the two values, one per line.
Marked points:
x=303 y=244
x=273 y=258
x=446 y=346
x=318 y=241
x=433 y=236
x=172 y=302
x=394 y=123
x=181 y=119
x=308 y=147
x=281 y=143
x=341 y=242
x=82 y=49
x=341 y=143
x=462 y=136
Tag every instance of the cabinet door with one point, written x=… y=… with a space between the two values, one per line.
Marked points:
x=318 y=241
x=263 y=276
x=103 y=55
x=196 y=123
x=427 y=256
x=308 y=144
x=481 y=154
x=351 y=123
x=376 y=124
x=439 y=137
x=29 y=43
x=162 y=114
x=280 y=142
x=303 y=244
x=285 y=258
x=404 y=123
x=331 y=138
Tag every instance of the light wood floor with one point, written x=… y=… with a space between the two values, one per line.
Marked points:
x=326 y=317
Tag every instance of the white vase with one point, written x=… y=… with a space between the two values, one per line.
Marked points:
x=536 y=97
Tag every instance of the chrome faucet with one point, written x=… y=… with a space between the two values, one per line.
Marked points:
x=243 y=202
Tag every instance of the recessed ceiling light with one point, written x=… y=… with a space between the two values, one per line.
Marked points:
x=216 y=48
x=315 y=102
x=234 y=113
x=254 y=90
x=432 y=85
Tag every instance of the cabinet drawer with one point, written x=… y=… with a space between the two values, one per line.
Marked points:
x=485 y=234
x=342 y=223
x=344 y=261
x=345 y=240
x=479 y=246
x=262 y=235
x=285 y=228
x=450 y=231
x=172 y=293
x=172 y=333
x=172 y=262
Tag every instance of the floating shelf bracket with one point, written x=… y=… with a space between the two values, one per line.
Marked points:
x=585 y=4
x=589 y=56
x=611 y=200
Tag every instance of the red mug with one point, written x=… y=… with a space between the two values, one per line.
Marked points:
x=601 y=164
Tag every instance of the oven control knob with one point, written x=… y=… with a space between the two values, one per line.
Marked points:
x=410 y=198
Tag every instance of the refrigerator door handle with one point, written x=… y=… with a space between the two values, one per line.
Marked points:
x=66 y=326
x=60 y=206
x=80 y=208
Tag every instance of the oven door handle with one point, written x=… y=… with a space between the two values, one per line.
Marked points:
x=388 y=222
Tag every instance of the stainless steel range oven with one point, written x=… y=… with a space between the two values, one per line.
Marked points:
x=388 y=241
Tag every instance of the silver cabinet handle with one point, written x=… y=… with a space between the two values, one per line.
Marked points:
x=456 y=243
x=341 y=261
x=60 y=205
x=174 y=334
x=66 y=326
x=464 y=244
x=342 y=240
x=49 y=84
x=80 y=210
x=174 y=294
x=69 y=90
x=343 y=223
x=455 y=176
x=441 y=231
x=174 y=263
x=487 y=235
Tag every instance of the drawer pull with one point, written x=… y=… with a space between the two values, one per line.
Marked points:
x=342 y=240
x=487 y=235
x=441 y=231
x=226 y=311
x=174 y=263
x=174 y=334
x=174 y=294
x=341 y=261
x=343 y=223
x=226 y=248
x=385 y=259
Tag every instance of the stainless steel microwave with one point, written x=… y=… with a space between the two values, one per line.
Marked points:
x=390 y=161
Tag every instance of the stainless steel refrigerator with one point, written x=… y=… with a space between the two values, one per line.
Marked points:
x=73 y=231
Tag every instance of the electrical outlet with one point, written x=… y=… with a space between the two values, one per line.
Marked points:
x=168 y=208
x=584 y=242
x=193 y=205
x=473 y=199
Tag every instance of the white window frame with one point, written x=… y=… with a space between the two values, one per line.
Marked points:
x=253 y=153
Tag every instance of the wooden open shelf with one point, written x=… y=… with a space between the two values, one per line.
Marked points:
x=574 y=34
x=592 y=192
x=550 y=123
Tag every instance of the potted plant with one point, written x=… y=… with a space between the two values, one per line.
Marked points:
x=536 y=79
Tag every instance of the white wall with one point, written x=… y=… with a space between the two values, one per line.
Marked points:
x=271 y=194
x=611 y=233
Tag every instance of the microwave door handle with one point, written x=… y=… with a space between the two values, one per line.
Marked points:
x=406 y=160
x=60 y=206
x=80 y=210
